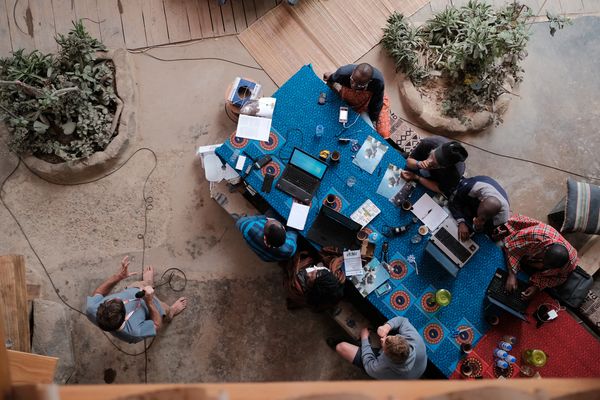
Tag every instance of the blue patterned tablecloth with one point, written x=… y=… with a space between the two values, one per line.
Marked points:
x=296 y=116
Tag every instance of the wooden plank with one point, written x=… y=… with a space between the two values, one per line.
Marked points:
x=31 y=368
x=191 y=8
x=250 y=11
x=262 y=7
x=20 y=24
x=177 y=21
x=589 y=255
x=43 y=26
x=155 y=22
x=133 y=23
x=5 y=42
x=205 y=18
x=87 y=12
x=228 y=19
x=64 y=15
x=111 y=28
x=13 y=297
x=216 y=17
x=5 y=381
x=239 y=15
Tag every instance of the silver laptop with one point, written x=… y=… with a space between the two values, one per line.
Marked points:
x=446 y=239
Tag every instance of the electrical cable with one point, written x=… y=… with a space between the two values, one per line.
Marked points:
x=145 y=53
x=148 y=200
x=589 y=177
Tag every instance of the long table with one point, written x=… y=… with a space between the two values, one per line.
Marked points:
x=294 y=122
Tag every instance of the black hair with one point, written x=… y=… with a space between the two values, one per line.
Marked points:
x=275 y=234
x=326 y=290
x=366 y=70
x=556 y=256
x=110 y=315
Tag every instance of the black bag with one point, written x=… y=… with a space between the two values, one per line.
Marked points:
x=575 y=288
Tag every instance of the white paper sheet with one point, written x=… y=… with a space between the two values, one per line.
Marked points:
x=298 y=215
x=429 y=212
x=352 y=263
x=256 y=128
x=239 y=165
x=365 y=213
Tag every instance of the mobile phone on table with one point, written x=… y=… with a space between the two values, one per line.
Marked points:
x=343 y=115
x=267 y=183
x=383 y=289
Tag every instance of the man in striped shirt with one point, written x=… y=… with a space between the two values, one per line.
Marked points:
x=538 y=249
x=268 y=238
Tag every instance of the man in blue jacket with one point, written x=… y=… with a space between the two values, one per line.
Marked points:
x=268 y=238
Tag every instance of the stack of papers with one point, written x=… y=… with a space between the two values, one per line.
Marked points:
x=352 y=263
x=298 y=216
x=429 y=212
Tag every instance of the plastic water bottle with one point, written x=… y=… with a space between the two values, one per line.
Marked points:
x=319 y=131
x=504 y=346
x=499 y=353
x=501 y=363
x=510 y=359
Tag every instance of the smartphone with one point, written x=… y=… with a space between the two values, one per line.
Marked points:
x=383 y=289
x=267 y=183
x=343 y=115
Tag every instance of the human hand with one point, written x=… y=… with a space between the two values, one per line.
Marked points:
x=149 y=295
x=364 y=333
x=511 y=282
x=478 y=224
x=408 y=176
x=529 y=292
x=123 y=272
x=383 y=330
x=425 y=164
x=463 y=231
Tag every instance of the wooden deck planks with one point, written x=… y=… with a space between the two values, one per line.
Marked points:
x=111 y=27
x=87 y=11
x=132 y=19
x=250 y=12
x=155 y=22
x=43 y=26
x=13 y=297
x=177 y=21
x=228 y=19
x=21 y=26
x=191 y=8
x=205 y=18
x=5 y=42
x=239 y=15
x=64 y=15
x=216 y=17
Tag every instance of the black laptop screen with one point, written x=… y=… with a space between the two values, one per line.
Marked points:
x=308 y=163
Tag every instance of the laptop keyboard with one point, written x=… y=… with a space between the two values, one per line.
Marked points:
x=513 y=300
x=299 y=178
x=453 y=245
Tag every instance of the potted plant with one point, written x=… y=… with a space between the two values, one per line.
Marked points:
x=462 y=64
x=61 y=110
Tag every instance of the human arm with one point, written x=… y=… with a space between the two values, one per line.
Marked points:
x=152 y=309
x=427 y=183
x=370 y=362
x=376 y=102
x=105 y=287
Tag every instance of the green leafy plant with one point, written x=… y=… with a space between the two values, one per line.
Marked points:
x=59 y=107
x=474 y=49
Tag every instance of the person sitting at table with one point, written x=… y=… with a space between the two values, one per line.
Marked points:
x=539 y=250
x=479 y=204
x=403 y=354
x=316 y=282
x=268 y=238
x=436 y=163
x=362 y=87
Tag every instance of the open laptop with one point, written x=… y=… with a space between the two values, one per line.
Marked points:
x=445 y=237
x=302 y=176
x=334 y=229
x=512 y=302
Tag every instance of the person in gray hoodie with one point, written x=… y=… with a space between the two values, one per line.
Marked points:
x=403 y=354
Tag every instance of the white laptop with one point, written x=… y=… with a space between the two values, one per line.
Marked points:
x=445 y=237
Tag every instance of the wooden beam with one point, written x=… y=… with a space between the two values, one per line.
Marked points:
x=206 y=23
x=111 y=27
x=133 y=23
x=155 y=22
x=31 y=368
x=193 y=16
x=5 y=381
x=177 y=21
x=13 y=297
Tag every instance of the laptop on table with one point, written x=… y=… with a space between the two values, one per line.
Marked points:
x=334 y=229
x=446 y=239
x=302 y=176
x=511 y=302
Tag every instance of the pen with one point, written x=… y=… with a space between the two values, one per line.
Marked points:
x=427 y=213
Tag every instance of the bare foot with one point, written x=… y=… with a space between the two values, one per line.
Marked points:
x=148 y=275
x=177 y=307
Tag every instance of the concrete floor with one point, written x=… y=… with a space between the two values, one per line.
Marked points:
x=236 y=327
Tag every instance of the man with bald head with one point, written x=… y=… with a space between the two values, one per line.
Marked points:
x=479 y=204
x=362 y=87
